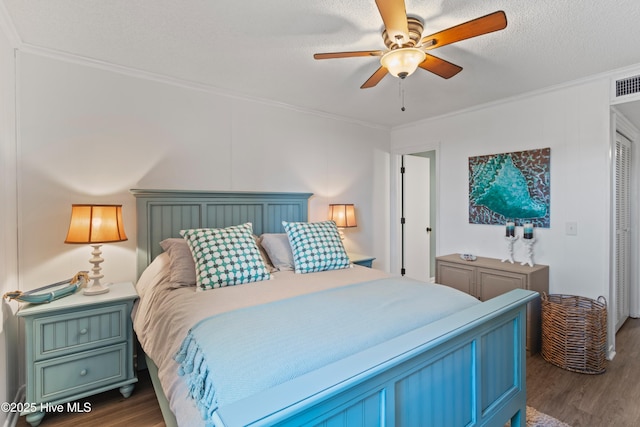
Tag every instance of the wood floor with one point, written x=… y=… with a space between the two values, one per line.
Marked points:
x=610 y=399
x=110 y=409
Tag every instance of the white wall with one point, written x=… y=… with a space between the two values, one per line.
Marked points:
x=8 y=244
x=574 y=122
x=89 y=135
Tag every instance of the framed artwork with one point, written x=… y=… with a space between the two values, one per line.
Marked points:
x=512 y=187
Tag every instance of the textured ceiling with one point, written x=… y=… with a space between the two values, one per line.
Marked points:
x=264 y=49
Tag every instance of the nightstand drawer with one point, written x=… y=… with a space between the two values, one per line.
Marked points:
x=69 y=375
x=79 y=331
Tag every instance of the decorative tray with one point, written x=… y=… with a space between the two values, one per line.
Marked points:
x=51 y=292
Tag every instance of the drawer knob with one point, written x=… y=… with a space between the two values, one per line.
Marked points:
x=83 y=372
x=83 y=331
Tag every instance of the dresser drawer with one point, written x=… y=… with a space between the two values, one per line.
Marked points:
x=79 y=331
x=492 y=283
x=69 y=375
x=460 y=277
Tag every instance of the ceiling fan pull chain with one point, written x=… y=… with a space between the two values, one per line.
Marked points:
x=401 y=95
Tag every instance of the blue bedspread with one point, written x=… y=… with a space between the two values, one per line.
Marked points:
x=233 y=355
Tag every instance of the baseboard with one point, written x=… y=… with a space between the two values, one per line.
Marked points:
x=13 y=417
x=611 y=353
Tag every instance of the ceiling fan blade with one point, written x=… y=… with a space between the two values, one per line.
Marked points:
x=476 y=27
x=348 y=54
x=440 y=67
x=394 y=16
x=375 y=78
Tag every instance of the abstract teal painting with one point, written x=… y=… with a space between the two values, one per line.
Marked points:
x=510 y=187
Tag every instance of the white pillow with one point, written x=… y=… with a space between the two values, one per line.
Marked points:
x=155 y=273
x=277 y=247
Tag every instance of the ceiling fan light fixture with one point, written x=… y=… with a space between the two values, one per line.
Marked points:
x=402 y=62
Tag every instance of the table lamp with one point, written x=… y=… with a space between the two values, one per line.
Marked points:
x=95 y=225
x=344 y=215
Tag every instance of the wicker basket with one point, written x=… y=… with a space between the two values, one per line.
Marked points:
x=574 y=332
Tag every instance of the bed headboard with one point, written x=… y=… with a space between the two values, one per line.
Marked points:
x=161 y=214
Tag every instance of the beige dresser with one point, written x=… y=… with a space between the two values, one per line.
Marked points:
x=486 y=278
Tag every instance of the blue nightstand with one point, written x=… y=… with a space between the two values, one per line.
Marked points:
x=78 y=346
x=363 y=260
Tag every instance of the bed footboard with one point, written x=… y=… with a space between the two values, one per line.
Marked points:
x=468 y=369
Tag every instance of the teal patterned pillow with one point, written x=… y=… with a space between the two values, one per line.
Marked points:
x=225 y=256
x=316 y=246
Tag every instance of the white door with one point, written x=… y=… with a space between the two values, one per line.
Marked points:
x=416 y=217
x=622 y=228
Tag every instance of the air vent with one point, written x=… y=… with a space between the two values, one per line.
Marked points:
x=628 y=86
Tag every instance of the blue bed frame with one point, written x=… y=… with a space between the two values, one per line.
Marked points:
x=467 y=369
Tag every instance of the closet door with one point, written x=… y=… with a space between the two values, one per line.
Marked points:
x=623 y=228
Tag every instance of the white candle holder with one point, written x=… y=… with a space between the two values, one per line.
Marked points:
x=528 y=243
x=510 y=240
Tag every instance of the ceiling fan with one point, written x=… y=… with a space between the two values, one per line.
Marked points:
x=407 y=49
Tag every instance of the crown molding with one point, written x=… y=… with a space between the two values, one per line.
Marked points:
x=584 y=80
x=178 y=82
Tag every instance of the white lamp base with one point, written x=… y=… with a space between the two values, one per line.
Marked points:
x=96 y=288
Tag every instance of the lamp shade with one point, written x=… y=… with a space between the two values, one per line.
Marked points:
x=402 y=62
x=96 y=224
x=343 y=215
